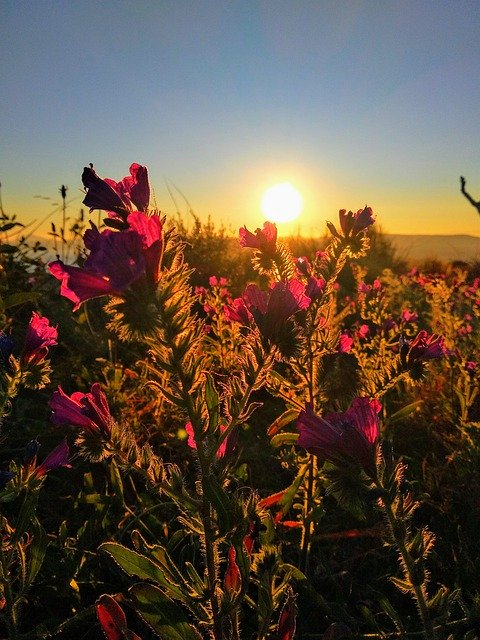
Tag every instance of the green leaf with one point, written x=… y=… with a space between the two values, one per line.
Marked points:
x=404 y=412
x=9 y=225
x=404 y=585
x=8 y=248
x=221 y=502
x=284 y=438
x=213 y=402
x=38 y=549
x=20 y=298
x=287 y=416
x=139 y=565
x=162 y=614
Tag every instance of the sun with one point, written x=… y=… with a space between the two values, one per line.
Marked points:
x=282 y=203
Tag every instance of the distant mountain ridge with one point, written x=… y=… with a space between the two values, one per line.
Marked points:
x=415 y=248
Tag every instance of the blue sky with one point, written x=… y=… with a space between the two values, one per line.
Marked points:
x=354 y=102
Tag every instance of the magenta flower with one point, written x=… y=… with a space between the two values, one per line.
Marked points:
x=39 y=337
x=130 y=194
x=265 y=240
x=238 y=312
x=335 y=436
x=409 y=316
x=89 y=411
x=303 y=266
x=353 y=223
x=345 y=343
x=57 y=458
x=118 y=260
x=271 y=309
x=423 y=347
x=314 y=288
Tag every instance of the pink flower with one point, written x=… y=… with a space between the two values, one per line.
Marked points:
x=423 y=347
x=39 y=337
x=265 y=240
x=271 y=309
x=131 y=193
x=89 y=411
x=57 y=458
x=117 y=260
x=238 y=312
x=345 y=343
x=352 y=434
x=363 y=331
x=409 y=316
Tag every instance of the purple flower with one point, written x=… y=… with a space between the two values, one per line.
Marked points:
x=353 y=223
x=303 y=266
x=89 y=411
x=314 y=288
x=271 y=309
x=423 y=347
x=117 y=260
x=130 y=194
x=238 y=312
x=265 y=240
x=100 y=195
x=39 y=337
x=57 y=458
x=351 y=434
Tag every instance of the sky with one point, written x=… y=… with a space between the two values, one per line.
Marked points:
x=354 y=102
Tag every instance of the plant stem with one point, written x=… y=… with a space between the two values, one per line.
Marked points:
x=397 y=527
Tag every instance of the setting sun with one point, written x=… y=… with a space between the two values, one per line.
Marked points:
x=282 y=203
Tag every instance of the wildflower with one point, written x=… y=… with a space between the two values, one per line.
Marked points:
x=351 y=223
x=131 y=193
x=345 y=343
x=271 y=309
x=303 y=266
x=117 y=261
x=287 y=623
x=57 y=458
x=265 y=240
x=423 y=347
x=233 y=578
x=363 y=331
x=39 y=337
x=89 y=411
x=409 y=316
x=112 y=619
x=100 y=195
x=238 y=312
x=314 y=288
x=351 y=434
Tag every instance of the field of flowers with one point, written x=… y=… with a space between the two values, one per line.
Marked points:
x=263 y=441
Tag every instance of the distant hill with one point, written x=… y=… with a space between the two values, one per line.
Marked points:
x=416 y=248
